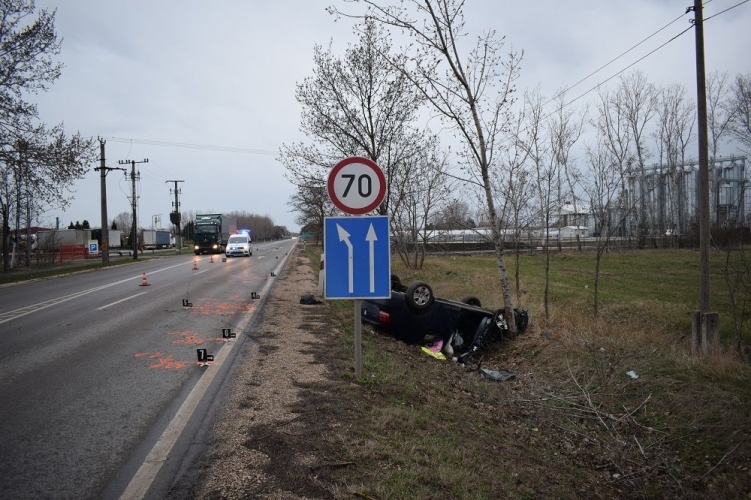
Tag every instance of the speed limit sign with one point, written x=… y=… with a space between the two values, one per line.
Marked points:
x=356 y=185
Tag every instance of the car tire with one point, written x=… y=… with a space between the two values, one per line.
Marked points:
x=419 y=296
x=471 y=300
x=499 y=320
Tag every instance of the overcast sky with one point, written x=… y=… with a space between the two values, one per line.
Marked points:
x=222 y=74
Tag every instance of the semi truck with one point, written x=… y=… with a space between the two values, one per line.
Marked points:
x=152 y=239
x=211 y=232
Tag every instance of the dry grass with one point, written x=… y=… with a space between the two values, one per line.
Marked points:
x=571 y=424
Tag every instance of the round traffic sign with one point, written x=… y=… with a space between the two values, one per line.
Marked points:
x=356 y=185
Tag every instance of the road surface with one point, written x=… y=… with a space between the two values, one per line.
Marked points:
x=100 y=383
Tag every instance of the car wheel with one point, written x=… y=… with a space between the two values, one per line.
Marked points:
x=471 y=301
x=499 y=318
x=419 y=296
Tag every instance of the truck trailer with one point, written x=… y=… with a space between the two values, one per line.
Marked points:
x=152 y=239
x=211 y=232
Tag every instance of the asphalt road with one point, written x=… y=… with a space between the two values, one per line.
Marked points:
x=101 y=391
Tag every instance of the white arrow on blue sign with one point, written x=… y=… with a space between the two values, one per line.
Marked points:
x=358 y=257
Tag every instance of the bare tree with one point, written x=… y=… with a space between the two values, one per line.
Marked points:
x=312 y=205
x=357 y=105
x=675 y=121
x=602 y=181
x=564 y=130
x=455 y=214
x=37 y=164
x=471 y=91
x=719 y=113
x=124 y=222
x=514 y=181
x=637 y=100
x=545 y=172
x=615 y=135
x=362 y=105
x=740 y=104
x=420 y=191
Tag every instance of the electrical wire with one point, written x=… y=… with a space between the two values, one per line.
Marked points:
x=612 y=61
x=723 y=11
x=638 y=60
x=185 y=145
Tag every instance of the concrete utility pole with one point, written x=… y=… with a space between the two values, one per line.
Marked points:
x=134 y=202
x=174 y=217
x=103 y=188
x=705 y=324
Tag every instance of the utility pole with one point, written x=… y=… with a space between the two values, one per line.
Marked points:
x=705 y=324
x=174 y=216
x=105 y=248
x=134 y=202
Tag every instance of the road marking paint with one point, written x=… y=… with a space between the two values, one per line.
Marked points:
x=121 y=300
x=23 y=311
x=144 y=477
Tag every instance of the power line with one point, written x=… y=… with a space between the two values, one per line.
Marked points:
x=613 y=60
x=185 y=145
x=638 y=60
x=723 y=11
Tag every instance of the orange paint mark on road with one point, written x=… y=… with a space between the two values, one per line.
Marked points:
x=213 y=307
x=187 y=338
x=168 y=363
x=164 y=361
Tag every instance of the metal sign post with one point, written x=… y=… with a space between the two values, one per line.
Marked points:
x=358 y=253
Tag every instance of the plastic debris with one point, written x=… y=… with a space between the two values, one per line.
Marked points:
x=436 y=355
x=437 y=345
x=632 y=374
x=447 y=350
x=498 y=375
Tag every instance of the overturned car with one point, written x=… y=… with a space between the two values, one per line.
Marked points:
x=414 y=314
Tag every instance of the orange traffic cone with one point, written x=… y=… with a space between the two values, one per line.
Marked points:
x=211 y=259
x=144 y=282
x=195 y=265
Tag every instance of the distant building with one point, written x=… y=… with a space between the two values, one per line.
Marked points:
x=664 y=199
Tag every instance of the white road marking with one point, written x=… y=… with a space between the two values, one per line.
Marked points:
x=144 y=477
x=121 y=300
x=23 y=311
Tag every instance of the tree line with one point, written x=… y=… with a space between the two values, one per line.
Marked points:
x=514 y=157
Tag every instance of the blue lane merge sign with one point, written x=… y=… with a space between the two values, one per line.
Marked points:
x=358 y=257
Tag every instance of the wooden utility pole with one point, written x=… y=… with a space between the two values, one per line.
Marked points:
x=705 y=324
x=134 y=203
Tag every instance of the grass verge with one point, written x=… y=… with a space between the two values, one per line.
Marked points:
x=573 y=423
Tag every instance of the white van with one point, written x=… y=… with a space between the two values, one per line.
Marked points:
x=239 y=244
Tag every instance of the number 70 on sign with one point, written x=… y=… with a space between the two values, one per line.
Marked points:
x=356 y=185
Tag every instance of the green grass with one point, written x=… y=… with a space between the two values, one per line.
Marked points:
x=572 y=424
x=653 y=282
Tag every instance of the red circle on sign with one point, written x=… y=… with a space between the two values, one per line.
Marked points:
x=354 y=207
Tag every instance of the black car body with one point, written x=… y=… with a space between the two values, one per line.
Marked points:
x=413 y=314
